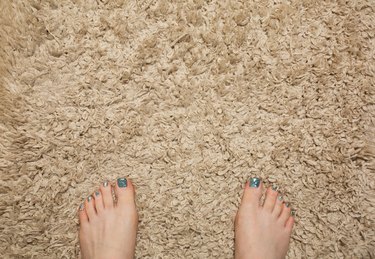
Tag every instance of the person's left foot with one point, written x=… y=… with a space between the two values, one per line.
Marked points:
x=109 y=229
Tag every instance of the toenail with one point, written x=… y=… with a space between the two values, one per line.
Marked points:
x=293 y=212
x=254 y=182
x=97 y=193
x=274 y=187
x=89 y=199
x=81 y=207
x=280 y=198
x=287 y=204
x=105 y=184
x=122 y=182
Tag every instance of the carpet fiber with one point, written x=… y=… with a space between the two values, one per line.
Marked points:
x=188 y=99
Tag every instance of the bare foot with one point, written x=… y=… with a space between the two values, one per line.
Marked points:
x=107 y=229
x=262 y=232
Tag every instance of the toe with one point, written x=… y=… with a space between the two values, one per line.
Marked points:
x=285 y=214
x=252 y=192
x=83 y=219
x=90 y=207
x=271 y=196
x=106 y=192
x=124 y=191
x=279 y=204
x=289 y=224
x=99 y=205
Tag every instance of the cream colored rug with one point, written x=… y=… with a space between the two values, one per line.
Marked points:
x=187 y=99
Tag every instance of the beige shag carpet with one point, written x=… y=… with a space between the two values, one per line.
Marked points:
x=188 y=99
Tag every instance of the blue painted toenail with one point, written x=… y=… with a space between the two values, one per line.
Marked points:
x=254 y=182
x=89 y=199
x=97 y=193
x=81 y=207
x=280 y=198
x=105 y=184
x=122 y=182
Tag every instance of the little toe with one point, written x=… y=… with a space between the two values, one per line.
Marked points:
x=90 y=207
x=83 y=218
x=124 y=191
x=289 y=224
x=252 y=192
x=106 y=192
x=271 y=196
x=99 y=205
x=279 y=206
x=285 y=214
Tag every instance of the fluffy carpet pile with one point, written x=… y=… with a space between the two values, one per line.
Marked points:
x=188 y=99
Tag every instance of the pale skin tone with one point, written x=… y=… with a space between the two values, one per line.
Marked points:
x=108 y=229
x=262 y=231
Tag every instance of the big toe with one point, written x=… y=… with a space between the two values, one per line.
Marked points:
x=252 y=192
x=125 y=192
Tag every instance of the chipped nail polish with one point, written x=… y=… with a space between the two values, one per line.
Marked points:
x=254 y=182
x=105 y=184
x=280 y=198
x=122 y=182
x=287 y=204
x=89 y=199
x=293 y=212
x=274 y=187
x=97 y=193
x=81 y=207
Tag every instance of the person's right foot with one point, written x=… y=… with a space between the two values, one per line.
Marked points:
x=262 y=232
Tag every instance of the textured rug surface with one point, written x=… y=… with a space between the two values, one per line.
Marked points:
x=188 y=99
